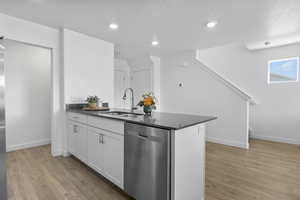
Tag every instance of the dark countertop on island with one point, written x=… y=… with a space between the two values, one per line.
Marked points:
x=171 y=121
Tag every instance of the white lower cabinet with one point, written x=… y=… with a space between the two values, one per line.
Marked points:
x=77 y=140
x=105 y=154
x=114 y=157
x=72 y=138
x=95 y=150
x=100 y=148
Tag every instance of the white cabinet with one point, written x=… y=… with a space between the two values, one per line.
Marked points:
x=114 y=157
x=111 y=125
x=81 y=143
x=99 y=142
x=105 y=154
x=71 y=137
x=95 y=150
x=77 y=117
x=77 y=140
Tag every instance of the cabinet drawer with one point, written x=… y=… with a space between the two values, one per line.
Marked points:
x=77 y=117
x=115 y=126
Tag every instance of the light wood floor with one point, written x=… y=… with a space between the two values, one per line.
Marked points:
x=33 y=174
x=268 y=171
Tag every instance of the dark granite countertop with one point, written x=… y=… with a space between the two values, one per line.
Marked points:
x=171 y=121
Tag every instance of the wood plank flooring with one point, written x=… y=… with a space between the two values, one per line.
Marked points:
x=268 y=171
x=33 y=174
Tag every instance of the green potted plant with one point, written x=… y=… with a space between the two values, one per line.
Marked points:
x=149 y=102
x=92 y=101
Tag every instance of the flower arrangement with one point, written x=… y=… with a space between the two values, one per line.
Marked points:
x=149 y=102
x=92 y=101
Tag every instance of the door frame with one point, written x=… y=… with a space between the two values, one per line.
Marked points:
x=141 y=70
x=53 y=114
x=127 y=76
x=51 y=80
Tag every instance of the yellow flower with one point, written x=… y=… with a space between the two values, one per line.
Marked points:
x=148 y=101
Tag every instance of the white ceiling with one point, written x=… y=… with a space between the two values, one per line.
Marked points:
x=178 y=24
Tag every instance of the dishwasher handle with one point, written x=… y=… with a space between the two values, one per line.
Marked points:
x=142 y=136
x=146 y=133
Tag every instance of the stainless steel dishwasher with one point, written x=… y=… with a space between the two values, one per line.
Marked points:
x=147 y=162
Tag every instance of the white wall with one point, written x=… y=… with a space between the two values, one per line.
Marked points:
x=141 y=73
x=27 y=95
x=145 y=76
x=122 y=81
x=203 y=95
x=277 y=115
x=140 y=62
x=156 y=79
x=32 y=33
x=89 y=67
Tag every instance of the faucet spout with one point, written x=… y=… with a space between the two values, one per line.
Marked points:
x=132 y=108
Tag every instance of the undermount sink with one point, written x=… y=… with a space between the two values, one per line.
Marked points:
x=124 y=114
x=131 y=115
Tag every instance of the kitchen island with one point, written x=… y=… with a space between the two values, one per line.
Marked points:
x=157 y=157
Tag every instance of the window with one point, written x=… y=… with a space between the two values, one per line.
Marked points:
x=284 y=70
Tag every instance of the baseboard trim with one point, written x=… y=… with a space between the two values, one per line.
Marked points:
x=227 y=142
x=56 y=153
x=275 y=139
x=27 y=145
x=66 y=154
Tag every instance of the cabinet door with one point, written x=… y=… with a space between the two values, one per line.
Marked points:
x=95 y=150
x=72 y=138
x=81 y=142
x=114 y=157
x=77 y=140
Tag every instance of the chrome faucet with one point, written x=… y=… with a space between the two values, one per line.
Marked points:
x=132 y=108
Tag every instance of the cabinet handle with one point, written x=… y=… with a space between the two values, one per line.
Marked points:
x=99 y=139
x=75 y=128
x=142 y=135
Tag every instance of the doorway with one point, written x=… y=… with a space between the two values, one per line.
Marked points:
x=141 y=82
x=137 y=76
x=121 y=83
x=27 y=95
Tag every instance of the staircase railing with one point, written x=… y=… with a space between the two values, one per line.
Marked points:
x=226 y=82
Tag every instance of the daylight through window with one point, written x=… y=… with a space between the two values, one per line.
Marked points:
x=284 y=70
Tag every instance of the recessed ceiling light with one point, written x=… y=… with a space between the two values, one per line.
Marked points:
x=113 y=26
x=211 y=24
x=155 y=43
